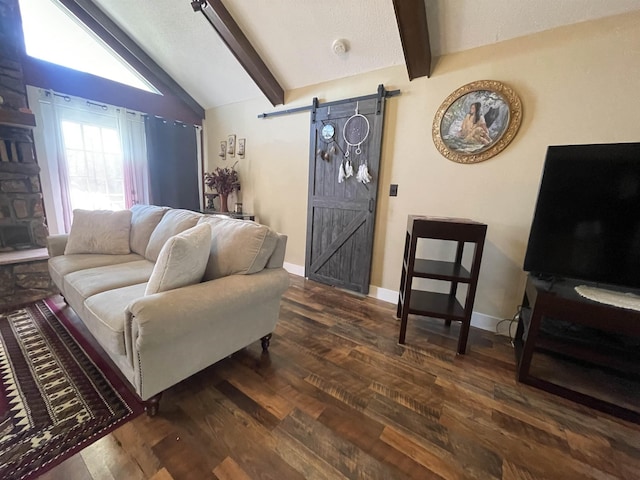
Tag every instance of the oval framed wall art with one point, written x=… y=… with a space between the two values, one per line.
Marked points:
x=477 y=121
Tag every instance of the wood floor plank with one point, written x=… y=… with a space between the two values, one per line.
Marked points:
x=249 y=405
x=183 y=458
x=364 y=432
x=138 y=449
x=518 y=448
x=254 y=387
x=304 y=460
x=436 y=460
x=515 y=472
x=336 y=397
x=108 y=459
x=73 y=467
x=225 y=428
x=162 y=474
x=230 y=470
x=341 y=454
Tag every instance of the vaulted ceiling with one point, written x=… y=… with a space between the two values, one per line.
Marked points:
x=294 y=38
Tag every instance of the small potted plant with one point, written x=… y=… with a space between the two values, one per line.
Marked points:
x=223 y=181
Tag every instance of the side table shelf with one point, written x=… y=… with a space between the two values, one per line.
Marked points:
x=440 y=305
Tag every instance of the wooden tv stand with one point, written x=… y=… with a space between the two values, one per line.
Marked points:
x=558 y=301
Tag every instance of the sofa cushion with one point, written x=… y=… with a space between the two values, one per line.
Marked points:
x=144 y=219
x=237 y=247
x=80 y=285
x=172 y=223
x=99 y=231
x=106 y=313
x=182 y=260
x=64 y=264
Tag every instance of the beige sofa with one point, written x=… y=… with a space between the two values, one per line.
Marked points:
x=168 y=292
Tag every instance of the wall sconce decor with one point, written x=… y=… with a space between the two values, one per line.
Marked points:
x=223 y=150
x=231 y=145
x=241 y=144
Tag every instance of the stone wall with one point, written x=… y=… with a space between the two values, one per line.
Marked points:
x=12 y=88
x=22 y=223
x=22 y=219
x=22 y=283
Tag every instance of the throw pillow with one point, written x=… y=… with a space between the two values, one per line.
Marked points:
x=182 y=260
x=99 y=231
x=172 y=223
x=237 y=247
x=144 y=219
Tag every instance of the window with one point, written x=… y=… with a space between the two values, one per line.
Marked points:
x=92 y=156
x=94 y=166
x=53 y=34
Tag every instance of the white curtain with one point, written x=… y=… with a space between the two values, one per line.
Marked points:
x=94 y=155
x=134 y=151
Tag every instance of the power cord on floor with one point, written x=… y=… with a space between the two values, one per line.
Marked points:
x=513 y=320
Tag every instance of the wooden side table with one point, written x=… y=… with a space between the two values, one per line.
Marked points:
x=440 y=305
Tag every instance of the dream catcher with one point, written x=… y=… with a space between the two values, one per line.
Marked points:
x=355 y=132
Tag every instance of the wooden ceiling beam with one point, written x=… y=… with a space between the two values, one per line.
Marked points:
x=96 y=20
x=411 y=16
x=231 y=34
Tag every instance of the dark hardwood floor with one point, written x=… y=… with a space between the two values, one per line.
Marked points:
x=337 y=397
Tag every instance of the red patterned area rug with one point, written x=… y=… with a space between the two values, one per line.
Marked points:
x=54 y=400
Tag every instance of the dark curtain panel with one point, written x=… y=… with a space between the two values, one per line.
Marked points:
x=173 y=163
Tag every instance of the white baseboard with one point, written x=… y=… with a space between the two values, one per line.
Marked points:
x=383 y=294
x=487 y=322
x=294 y=269
x=478 y=320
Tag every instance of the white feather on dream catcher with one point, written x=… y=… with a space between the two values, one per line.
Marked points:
x=355 y=132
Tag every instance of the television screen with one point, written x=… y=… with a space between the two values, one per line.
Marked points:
x=586 y=224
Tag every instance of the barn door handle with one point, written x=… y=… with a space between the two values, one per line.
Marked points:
x=371 y=205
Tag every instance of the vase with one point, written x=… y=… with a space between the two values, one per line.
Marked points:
x=223 y=203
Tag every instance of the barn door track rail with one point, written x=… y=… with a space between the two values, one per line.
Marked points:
x=381 y=94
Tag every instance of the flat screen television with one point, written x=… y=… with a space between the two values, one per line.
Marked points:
x=586 y=223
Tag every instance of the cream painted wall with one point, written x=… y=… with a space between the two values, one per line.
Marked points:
x=577 y=84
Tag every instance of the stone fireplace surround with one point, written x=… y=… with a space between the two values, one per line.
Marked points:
x=23 y=258
x=21 y=213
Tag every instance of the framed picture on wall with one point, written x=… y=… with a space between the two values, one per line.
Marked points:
x=477 y=121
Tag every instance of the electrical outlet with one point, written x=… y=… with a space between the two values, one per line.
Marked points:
x=393 y=190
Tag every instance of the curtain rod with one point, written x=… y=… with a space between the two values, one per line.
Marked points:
x=165 y=120
x=103 y=106
x=381 y=93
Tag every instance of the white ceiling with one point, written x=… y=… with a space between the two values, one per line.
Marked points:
x=294 y=37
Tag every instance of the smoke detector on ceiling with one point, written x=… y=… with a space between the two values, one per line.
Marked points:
x=340 y=47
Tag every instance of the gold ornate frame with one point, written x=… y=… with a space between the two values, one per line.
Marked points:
x=504 y=137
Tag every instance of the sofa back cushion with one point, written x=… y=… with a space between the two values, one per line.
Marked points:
x=144 y=219
x=181 y=261
x=237 y=247
x=173 y=222
x=99 y=231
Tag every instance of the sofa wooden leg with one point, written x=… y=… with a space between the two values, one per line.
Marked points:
x=266 y=340
x=152 y=405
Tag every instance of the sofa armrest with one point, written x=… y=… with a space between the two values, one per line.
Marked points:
x=56 y=244
x=277 y=257
x=172 y=335
x=163 y=316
